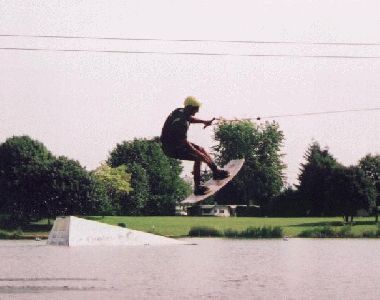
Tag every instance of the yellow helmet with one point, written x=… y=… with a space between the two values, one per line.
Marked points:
x=192 y=101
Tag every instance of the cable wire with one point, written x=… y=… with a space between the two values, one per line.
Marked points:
x=187 y=53
x=301 y=114
x=188 y=40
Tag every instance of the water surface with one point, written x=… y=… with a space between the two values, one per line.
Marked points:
x=212 y=269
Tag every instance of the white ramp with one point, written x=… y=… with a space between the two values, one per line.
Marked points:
x=73 y=231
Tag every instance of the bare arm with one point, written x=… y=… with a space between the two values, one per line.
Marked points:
x=204 y=122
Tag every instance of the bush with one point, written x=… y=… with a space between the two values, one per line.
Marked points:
x=204 y=231
x=345 y=232
x=319 y=232
x=262 y=232
x=251 y=232
x=369 y=234
x=231 y=233
x=277 y=232
x=11 y=236
x=3 y=235
x=122 y=225
x=255 y=232
x=327 y=232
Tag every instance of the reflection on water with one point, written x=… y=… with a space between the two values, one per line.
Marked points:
x=214 y=268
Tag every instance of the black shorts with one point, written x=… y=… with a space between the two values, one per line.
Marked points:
x=182 y=152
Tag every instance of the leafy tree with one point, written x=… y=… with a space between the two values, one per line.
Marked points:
x=261 y=177
x=166 y=187
x=24 y=162
x=351 y=190
x=135 y=202
x=116 y=181
x=329 y=188
x=314 y=181
x=74 y=191
x=34 y=184
x=370 y=164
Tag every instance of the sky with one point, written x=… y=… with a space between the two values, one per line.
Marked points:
x=81 y=104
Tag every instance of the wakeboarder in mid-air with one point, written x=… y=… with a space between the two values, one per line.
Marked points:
x=176 y=145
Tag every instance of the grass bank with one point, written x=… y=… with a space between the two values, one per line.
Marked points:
x=181 y=226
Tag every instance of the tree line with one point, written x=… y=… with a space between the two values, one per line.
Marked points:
x=138 y=179
x=328 y=188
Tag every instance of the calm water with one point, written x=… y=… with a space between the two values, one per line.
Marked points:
x=212 y=269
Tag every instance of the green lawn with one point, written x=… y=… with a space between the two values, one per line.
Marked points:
x=180 y=226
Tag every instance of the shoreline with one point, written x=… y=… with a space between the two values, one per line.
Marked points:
x=232 y=227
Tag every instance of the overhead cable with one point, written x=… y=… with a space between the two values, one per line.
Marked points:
x=301 y=114
x=190 y=40
x=187 y=53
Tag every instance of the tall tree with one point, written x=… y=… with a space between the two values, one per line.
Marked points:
x=23 y=165
x=261 y=177
x=34 y=184
x=350 y=189
x=370 y=164
x=314 y=181
x=74 y=191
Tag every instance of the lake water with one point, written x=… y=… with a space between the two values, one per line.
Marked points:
x=212 y=269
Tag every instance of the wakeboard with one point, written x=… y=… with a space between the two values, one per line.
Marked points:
x=233 y=167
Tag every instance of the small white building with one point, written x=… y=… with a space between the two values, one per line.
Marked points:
x=215 y=210
x=210 y=210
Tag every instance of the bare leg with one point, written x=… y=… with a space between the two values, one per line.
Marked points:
x=207 y=155
x=197 y=173
x=218 y=174
x=209 y=161
x=198 y=188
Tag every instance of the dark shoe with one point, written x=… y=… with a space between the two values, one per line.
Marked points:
x=220 y=174
x=201 y=190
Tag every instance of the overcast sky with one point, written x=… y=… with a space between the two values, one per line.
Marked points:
x=81 y=104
